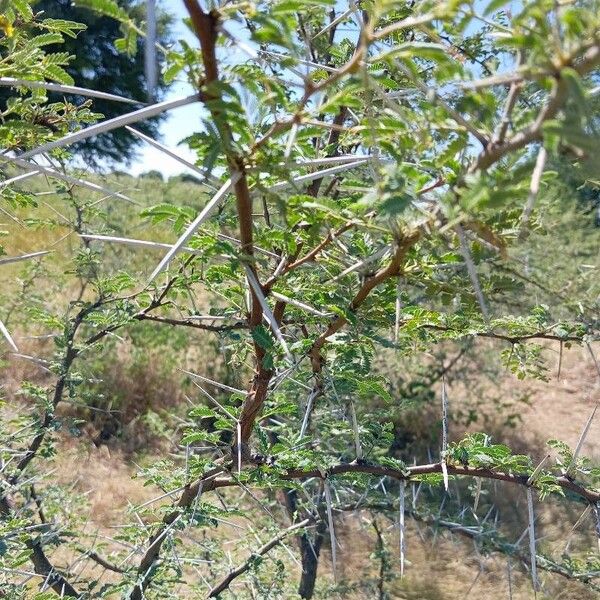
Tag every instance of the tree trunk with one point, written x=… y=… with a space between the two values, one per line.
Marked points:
x=310 y=551
x=308 y=544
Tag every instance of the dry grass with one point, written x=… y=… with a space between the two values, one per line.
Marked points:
x=561 y=407
x=440 y=566
x=104 y=477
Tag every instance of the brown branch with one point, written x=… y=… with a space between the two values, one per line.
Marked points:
x=206 y=28
x=393 y=269
x=257 y=393
x=513 y=339
x=310 y=256
x=332 y=142
x=189 y=495
x=511 y=101
x=38 y=503
x=47 y=419
x=103 y=562
x=310 y=89
x=254 y=401
x=41 y=564
x=494 y=152
x=189 y=323
x=70 y=355
x=410 y=473
x=247 y=565
x=52 y=578
x=210 y=482
x=380 y=552
x=566 y=483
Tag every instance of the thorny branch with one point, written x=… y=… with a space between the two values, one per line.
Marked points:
x=494 y=152
x=211 y=481
x=206 y=29
x=391 y=270
x=491 y=542
x=235 y=573
x=206 y=26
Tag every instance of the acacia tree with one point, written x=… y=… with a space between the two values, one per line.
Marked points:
x=370 y=167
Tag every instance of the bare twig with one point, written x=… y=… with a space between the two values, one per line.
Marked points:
x=331 y=527
x=401 y=509
x=464 y=248
x=581 y=441
x=13 y=259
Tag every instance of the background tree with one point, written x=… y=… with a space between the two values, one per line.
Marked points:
x=98 y=65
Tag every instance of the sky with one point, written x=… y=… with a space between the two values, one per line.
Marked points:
x=180 y=122
x=183 y=121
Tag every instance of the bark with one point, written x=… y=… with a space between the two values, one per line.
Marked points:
x=310 y=550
